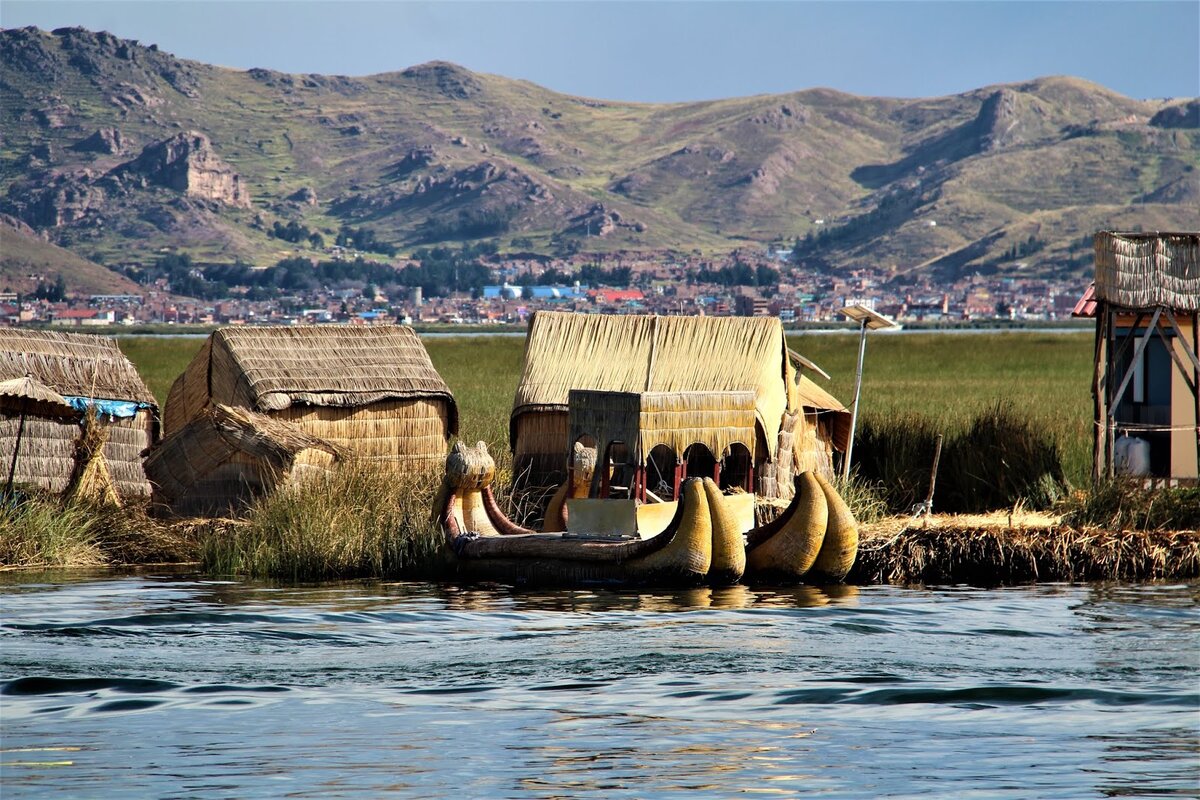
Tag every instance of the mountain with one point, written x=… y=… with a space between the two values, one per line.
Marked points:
x=115 y=150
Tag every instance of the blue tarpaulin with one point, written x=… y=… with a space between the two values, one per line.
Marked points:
x=113 y=409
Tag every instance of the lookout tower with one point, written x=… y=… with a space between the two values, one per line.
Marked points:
x=1146 y=302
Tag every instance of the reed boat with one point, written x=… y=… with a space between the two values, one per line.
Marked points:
x=705 y=537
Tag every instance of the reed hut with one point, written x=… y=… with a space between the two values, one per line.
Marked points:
x=369 y=390
x=797 y=424
x=1146 y=302
x=98 y=449
x=220 y=462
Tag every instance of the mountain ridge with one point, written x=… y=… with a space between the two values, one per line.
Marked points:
x=437 y=153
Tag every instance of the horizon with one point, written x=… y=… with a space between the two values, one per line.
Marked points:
x=630 y=67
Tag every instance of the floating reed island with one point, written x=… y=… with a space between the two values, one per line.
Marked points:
x=315 y=453
x=1002 y=548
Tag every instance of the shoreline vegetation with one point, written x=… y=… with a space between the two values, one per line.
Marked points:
x=1012 y=471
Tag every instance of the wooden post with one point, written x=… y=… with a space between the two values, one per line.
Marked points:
x=1098 y=392
x=1109 y=366
x=717 y=472
x=750 y=477
x=678 y=479
x=862 y=349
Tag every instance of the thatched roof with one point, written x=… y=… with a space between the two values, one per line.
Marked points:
x=658 y=354
x=73 y=364
x=273 y=368
x=718 y=420
x=812 y=397
x=1141 y=270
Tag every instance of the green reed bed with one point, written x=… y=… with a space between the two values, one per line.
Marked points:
x=160 y=359
x=37 y=530
x=356 y=522
x=998 y=460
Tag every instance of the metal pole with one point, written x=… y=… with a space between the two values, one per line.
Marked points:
x=862 y=349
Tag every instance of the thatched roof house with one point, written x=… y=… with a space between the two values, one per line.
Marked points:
x=223 y=460
x=798 y=423
x=88 y=372
x=370 y=390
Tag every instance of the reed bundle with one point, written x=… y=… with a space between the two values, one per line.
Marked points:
x=1142 y=270
x=218 y=463
x=994 y=555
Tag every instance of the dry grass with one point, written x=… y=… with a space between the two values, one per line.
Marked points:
x=1020 y=547
x=1122 y=505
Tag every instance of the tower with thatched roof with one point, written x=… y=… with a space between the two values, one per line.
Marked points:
x=92 y=436
x=1146 y=301
x=369 y=390
x=681 y=361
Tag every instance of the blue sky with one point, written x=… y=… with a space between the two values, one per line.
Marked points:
x=676 y=51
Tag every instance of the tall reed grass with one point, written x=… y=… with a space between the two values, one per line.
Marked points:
x=356 y=521
x=39 y=530
x=36 y=531
x=1126 y=505
x=999 y=460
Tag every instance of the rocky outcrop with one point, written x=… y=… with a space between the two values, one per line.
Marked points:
x=108 y=141
x=445 y=78
x=599 y=220
x=305 y=195
x=187 y=163
x=1182 y=115
x=998 y=121
x=55 y=200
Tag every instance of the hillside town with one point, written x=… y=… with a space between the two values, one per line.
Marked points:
x=517 y=288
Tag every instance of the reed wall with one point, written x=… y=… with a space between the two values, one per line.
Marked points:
x=47 y=456
x=397 y=434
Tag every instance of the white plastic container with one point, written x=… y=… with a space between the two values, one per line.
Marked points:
x=1131 y=456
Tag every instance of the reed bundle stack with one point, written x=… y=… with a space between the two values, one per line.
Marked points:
x=369 y=390
x=225 y=458
x=798 y=425
x=99 y=436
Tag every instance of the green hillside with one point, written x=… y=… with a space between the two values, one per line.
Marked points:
x=437 y=153
x=26 y=260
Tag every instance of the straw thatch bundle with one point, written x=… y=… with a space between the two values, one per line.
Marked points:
x=218 y=463
x=370 y=390
x=641 y=354
x=85 y=369
x=91 y=481
x=1142 y=270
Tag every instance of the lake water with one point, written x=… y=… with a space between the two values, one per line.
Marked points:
x=170 y=686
